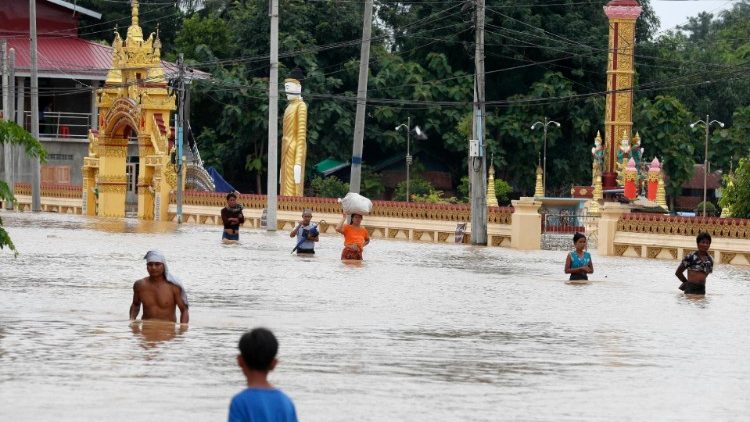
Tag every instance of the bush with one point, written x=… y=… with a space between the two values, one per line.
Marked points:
x=417 y=186
x=329 y=187
x=502 y=190
x=711 y=210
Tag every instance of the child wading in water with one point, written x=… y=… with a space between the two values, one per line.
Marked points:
x=579 y=263
x=699 y=265
x=260 y=401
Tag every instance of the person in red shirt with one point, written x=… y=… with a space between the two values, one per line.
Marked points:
x=355 y=237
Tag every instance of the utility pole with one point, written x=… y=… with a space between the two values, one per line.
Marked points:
x=180 y=130
x=9 y=164
x=36 y=188
x=4 y=70
x=477 y=156
x=273 y=119
x=359 y=120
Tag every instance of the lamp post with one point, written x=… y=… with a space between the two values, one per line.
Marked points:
x=419 y=135
x=707 y=123
x=544 y=126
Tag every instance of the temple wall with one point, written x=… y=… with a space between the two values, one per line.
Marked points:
x=659 y=236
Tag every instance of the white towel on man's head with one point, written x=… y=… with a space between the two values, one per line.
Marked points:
x=156 y=256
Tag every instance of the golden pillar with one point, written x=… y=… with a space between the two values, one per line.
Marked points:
x=539 y=188
x=112 y=181
x=618 y=114
x=661 y=195
x=491 y=195
x=294 y=138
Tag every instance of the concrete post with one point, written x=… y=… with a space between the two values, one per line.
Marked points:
x=611 y=213
x=526 y=225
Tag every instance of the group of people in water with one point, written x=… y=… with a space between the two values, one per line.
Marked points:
x=161 y=293
x=306 y=231
x=698 y=264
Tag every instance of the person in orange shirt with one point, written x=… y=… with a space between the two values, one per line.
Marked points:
x=355 y=237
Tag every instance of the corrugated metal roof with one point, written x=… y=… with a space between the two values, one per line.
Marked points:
x=63 y=58
x=73 y=58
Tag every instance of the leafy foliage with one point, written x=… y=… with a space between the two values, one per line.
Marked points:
x=11 y=133
x=736 y=192
x=711 y=210
x=417 y=187
x=502 y=191
x=667 y=137
x=329 y=187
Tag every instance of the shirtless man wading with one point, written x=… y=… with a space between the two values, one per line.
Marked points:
x=160 y=293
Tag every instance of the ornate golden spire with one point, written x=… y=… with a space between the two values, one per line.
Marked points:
x=134 y=31
x=491 y=195
x=539 y=188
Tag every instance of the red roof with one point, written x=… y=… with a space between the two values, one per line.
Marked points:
x=713 y=179
x=623 y=3
x=73 y=58
x=63 y=58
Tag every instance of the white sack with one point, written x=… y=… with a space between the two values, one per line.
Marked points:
x=354 y=203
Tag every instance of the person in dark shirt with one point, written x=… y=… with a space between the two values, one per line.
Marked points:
x=699 y=265
x=232 y=217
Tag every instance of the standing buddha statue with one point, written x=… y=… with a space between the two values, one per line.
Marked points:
x=294 y=137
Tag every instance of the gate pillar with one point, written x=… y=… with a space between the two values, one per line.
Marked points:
x=611 y=213
x=526 y=224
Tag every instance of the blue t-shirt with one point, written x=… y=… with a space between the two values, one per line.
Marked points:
x=262 y=405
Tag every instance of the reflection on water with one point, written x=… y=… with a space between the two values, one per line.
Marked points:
x=152 y=333
x=415 y=332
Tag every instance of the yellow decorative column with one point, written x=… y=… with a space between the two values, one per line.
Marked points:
x=618 y=115
x=491 y=195
x=112 y=181
x=661 y=194
x=538 y=188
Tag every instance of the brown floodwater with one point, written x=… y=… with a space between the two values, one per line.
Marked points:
x=417 y=332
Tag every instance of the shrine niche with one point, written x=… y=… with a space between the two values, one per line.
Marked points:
x=134 y=109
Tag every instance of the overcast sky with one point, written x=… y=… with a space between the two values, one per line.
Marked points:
x=676 y=12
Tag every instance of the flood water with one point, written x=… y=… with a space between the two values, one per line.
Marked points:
x=417 y=332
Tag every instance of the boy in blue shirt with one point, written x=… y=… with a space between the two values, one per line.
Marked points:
x=260 y=401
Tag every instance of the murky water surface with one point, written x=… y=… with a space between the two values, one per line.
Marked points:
x=417 y=332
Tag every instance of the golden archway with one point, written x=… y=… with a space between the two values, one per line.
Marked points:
x=133 y=102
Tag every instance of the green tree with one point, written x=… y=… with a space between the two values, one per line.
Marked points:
x=329 y=187
x=666 y=135
x=502 y=191
x=417 y=186
x=736 y=192
x=11 y=133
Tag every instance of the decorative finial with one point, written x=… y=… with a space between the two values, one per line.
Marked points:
x=157 y=42
x=134 y=12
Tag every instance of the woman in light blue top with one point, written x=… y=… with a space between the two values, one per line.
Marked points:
x=579 y=263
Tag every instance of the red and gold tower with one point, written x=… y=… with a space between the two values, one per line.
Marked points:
x=618 y=115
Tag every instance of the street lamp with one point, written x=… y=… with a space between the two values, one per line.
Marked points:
x=707 y=123
x=544 y=125
x=419 y=135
